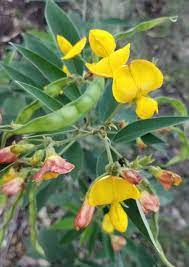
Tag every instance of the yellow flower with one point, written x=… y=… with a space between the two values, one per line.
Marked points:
x=69 y=50
x=112 y=190
x=134 y=82
x=103 y=44
x=146 y=107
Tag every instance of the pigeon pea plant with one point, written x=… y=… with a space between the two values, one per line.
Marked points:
x=81 y=87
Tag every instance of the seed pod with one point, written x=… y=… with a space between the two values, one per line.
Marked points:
x=68 y=114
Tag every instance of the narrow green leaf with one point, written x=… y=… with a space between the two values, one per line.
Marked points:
x=150 y=139
x=17 y=75
x=62 y=25
x=64 y=224
x=137 y=216
x=29 y=70
x=142 y=127
x=175 y=103
x=50 y=71
x=145 y=26
x=107 y=104
x=40 y=95
x=59 y=23
x=75 y=155
x=52 y=89
x=36 y=45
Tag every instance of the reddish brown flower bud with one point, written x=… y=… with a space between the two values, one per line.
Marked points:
x=141 y=145
x=118 y=242
x=122 y=124
x=131 y=176
x=84 y=216
x=12 y=187
x=149 y=202
x=52 y=167
x=12 y=182
x=169 y=179
x=6 y=155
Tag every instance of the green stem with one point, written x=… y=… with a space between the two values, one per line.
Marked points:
x=8 y=217
x=32 y=220
x=108 y=151
x=119 y=106
x=66 y=148
x=116 y=151
x=68 y=140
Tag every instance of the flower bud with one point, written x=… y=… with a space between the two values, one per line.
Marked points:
x=132 y=176
x=6 y=155
x=140 y=143
x=84 y=216
x=169 y=179
x=21 y=148
x=166 y=178
x=118 y=242
x=149 y=202
x=122 y=124
x=12 y=182
x=37 y=157
x=52 y=167
x=12 y=187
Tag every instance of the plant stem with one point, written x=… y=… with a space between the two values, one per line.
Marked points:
x=116 y=151
x=8 y=217
x=72 y=138
x=32 y=220
x=66 y=148
x=118 y=107
x=108 y=151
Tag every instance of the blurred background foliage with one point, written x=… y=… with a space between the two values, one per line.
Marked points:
x=169 y=44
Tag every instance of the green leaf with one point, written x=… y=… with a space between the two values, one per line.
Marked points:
x=142 y=127
x=107 y=104
x=29 y=70
x=52 y=89
x=150 y=139
x=75 y=155
x=59 y=23
x=108 y=251
x=36 y=45
x=145 y=26
x=175 y=103
x=50 y=71
x=62 y=25
x=17 y=75
x=40 y=95
x=64 y=224
x=137 y=216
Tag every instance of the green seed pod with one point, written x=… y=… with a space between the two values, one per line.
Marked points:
x=68 y=114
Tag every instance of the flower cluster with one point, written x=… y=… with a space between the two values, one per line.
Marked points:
x=132 y=82
x=13 y=180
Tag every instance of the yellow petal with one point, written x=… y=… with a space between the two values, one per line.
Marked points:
x=66 y=70
x=101 y=42
x=146 y=75
x=50 y=175
x=106 y=224
x=107 y=66
x=124 y=87
x=64 y=45
x=111 y=189
x=146 y=107
x=118 y=217
x=102 y=68
x=76 y=49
